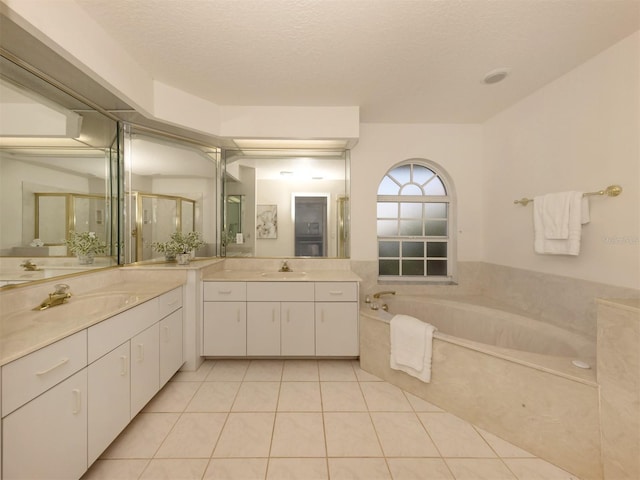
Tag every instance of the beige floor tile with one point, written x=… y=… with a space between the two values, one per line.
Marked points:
x=257 y=397
x=193 y=436
x=336 y=371
x=300 y=371
x=236 y=469
x=503 y=448
x=342 y=397
x=479 y=469
x=384 y=397
x=454 y=437
x=420 y=405
x=536 y=469
x=402 y=435
x=142 y=437
x=196 y=376
x=298 y=435
x=264 y=371
x=214 y=397
x=351 y=435
x=175 y=469
x=228 y=370
x=116 y=470
x=297 y=469
x=245 y=435
x=358 y=469
x=174 y=397
x=299 y=397
x=419 y=469
x=362 y=375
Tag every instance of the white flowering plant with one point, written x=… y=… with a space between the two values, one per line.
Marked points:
x=85 y=243
x=179 y=243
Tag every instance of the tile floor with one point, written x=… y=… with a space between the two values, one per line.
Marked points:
x=304 y=420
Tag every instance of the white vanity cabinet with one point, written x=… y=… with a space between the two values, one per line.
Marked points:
x=337 y=319
x=280 y=319
x=109 y=399
x=145 y=367
x=43 y=394
x=224 y=331
x=171 y=343
x=293 y=319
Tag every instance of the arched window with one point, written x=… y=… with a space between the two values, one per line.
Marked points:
x=416 y=223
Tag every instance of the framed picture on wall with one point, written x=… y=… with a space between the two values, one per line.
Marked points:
x=267 y=221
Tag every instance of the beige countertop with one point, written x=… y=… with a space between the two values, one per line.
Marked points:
x=275 y=276
x=24 y=331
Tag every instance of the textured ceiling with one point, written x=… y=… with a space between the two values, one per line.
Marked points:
x=399 y=60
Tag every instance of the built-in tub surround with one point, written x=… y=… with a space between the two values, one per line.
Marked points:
x=566 y=302
x=619 y=380
x=513 y=394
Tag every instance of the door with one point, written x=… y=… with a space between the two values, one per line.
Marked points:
x=310 y=226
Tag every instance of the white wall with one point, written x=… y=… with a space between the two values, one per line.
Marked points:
x=581 y=132
x=456 y=148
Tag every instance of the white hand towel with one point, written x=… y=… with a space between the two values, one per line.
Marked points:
x=411 y=346
x=560 y=246
x=555 y=215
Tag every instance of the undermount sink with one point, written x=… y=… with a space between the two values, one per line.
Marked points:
x=284 y=275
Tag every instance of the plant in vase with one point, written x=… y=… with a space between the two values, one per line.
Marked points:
x=86 y=245
x=179 y=246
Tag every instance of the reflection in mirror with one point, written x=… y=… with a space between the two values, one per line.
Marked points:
x=306 y=190
x=170 y=185
x=55 y=154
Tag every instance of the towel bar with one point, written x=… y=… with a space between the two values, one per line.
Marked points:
x=610 y=191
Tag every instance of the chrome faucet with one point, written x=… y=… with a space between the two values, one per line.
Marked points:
x=386 y=292
x=29 y=266
x=58 y=297
x=285 y=267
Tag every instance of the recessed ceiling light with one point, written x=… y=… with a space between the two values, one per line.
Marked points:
x=496 y=76
x=285 y=173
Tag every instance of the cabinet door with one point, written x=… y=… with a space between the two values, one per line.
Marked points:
x=145 y=367
x=225 y=329
x=297 y=327
x=109 y=396
x=337 y=329
x=47 y=437
x=170 y=346
x=263 y=328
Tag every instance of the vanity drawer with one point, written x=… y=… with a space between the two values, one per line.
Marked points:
x=224 y=291
x=280 y=292
x=169 y=302
x=336 y=291
x=31 y=375
x=112 y=332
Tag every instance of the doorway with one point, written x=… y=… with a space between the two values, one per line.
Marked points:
x=310 y=226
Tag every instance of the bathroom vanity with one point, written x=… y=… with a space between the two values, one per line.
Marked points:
x=280 y=314
x=110 y=352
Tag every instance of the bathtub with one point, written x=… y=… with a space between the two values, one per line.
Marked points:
x=511 y=375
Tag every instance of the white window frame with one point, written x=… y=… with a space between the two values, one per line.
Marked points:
x=450 y=238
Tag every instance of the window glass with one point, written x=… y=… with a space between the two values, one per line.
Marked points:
x=389 y=267
x=435 y=228
x=411 y=210
x=422 y=175
x=387 y=210
x=413 y=267
x=436 y=249
x=401 y=174
x=389 y=249
x=411 y=189
x=388 y=187
x=436 y=210
x=413 y=249
x=437 y=267
x=387 y=228
x=411 y=227
x=435 y=187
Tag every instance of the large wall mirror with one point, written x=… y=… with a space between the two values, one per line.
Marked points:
x=170 y=185
x=286 y=203
x=55 y=178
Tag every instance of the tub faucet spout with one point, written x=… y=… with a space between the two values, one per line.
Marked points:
x=386 y=292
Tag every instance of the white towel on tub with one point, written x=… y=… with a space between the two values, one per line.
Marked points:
x=411 y=346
